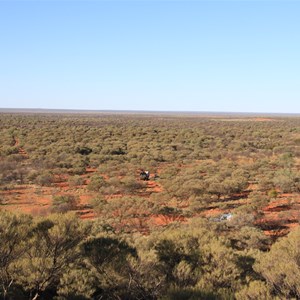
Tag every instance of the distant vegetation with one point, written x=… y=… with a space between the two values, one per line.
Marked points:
x=200 y=228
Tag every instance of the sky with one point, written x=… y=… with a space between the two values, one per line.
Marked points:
x=224 y=56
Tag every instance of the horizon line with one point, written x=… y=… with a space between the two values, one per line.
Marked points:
x=132 y=111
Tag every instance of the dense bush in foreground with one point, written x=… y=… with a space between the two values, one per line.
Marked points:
x=61 y=257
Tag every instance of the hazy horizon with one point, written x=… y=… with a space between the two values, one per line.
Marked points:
x=170 y=112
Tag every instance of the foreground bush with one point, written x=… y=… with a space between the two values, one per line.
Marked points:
x=61 y=257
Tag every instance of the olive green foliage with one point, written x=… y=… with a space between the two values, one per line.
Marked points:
x=76 y=180
x=71 y=259
x=119 y=145
x=280 y=267
x=65 y=203
x=125 y=214
x=255 y=290
x=14 y=231
x=44 y=179
x=96 y=183
x=202 y=164
x=52 y=248
x=249 y=237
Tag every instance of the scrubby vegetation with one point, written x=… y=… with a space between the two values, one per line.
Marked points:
x=210 y=222
x=62 y=257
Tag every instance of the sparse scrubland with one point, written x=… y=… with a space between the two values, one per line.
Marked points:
x=217 y=219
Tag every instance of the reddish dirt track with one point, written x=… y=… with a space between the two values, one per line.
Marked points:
x=21 y=151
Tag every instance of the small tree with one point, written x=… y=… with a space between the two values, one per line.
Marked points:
x=108 y=259
x=76 y=180
x=96 y=183
x=14 y=232
x=284 y=275
x=44 y=179
x=52 y=247
x=273 y=194
x=65 y=203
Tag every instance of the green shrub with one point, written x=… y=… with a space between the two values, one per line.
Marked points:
x=64 y=203
x=97 y=182
x=44 y=179
x=76 y=180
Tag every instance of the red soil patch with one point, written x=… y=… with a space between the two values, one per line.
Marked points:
x=281 y=215
x=263 y=119
x=62 y=185
x=154 y=186
x=61 y=178
x=87 y=214
x=162 y=220
x=27 y=199
x=38 y=200
x=23 y=152
x=85 y=199
x=213 y=212
x=90 y=170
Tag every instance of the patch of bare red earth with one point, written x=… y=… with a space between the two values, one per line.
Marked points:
x=153 y=186
x=21 y=151
x=263 y=119
x=28 y=199
x=162 y=220
x=84 y=209
x=159 y=219
x=281 y=215
x=213 y=212
x=37 y=200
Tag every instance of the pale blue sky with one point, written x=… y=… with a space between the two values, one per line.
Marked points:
x=238 y=56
